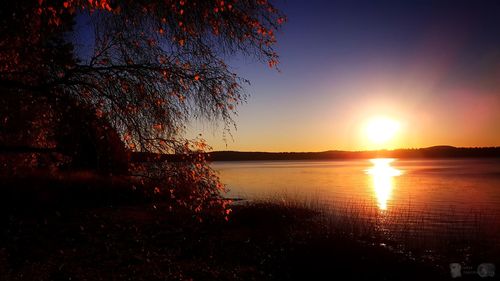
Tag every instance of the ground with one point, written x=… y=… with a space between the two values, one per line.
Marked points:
x=141 y=241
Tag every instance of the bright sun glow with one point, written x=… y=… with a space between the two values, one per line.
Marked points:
x=380 y=130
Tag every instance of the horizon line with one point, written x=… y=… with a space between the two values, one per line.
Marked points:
x=373 y=150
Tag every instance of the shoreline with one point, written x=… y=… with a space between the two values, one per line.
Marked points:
x=438 y=152
x=260 y=242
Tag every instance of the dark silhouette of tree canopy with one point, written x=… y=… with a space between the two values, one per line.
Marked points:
x=152 y=66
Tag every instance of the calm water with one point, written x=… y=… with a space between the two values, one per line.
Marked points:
x=433 y=195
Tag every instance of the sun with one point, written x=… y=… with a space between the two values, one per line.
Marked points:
x=380 y=130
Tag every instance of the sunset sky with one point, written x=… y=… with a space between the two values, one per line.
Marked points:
x=431 y=66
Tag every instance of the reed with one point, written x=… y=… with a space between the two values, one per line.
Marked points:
x=438 y=236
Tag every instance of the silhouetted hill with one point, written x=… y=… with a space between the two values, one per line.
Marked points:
x=441 y=151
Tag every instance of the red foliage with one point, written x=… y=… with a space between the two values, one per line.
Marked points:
x=154 y=65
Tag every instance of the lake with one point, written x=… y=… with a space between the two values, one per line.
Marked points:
x=433 y=197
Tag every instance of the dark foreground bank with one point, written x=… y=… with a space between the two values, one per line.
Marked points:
x=141 y=242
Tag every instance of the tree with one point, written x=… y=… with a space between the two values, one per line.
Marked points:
x=153 y=64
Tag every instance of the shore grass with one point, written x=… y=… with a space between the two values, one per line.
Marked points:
x=429 y=237
x=261 y=241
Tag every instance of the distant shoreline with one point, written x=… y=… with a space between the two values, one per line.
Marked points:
x=434 y=152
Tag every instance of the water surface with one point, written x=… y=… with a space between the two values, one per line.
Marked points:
x=431 y=184
x=433 y=197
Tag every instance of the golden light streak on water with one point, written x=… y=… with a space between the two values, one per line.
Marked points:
x=382 y=174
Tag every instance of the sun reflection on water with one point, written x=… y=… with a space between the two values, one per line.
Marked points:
x=382 y=174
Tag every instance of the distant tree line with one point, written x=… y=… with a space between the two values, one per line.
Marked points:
x=430 y=152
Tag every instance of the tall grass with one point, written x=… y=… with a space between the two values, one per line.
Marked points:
x=446 y=235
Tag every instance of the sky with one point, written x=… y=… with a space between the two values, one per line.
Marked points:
x=431 y=66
